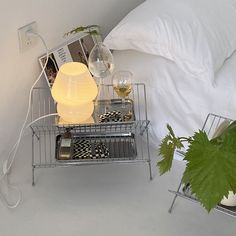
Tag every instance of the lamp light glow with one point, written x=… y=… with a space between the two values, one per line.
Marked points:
x=74 y=90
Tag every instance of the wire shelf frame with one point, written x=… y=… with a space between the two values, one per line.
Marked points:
x=211 y=124
x=126 y=141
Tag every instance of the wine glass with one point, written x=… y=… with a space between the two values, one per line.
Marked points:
x=122 y=84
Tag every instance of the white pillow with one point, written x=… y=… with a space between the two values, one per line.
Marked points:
x=197 y=34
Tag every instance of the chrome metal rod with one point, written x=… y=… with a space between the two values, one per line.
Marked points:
x=149 y=156
x=32 y=159
x=174 y=199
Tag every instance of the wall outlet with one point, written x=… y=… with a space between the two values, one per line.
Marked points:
x=27 y=41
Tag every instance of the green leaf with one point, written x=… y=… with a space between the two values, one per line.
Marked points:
x=167 y=151
x=89 y=29
x=167 y=148
x=211 y=166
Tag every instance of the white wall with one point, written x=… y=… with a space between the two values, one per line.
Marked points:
x=19 y=70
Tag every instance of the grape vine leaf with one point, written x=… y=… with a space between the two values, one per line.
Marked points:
x=211 y=166
x=89 y=29
x=167 y=148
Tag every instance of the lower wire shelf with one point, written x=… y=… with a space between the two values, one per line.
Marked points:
x=230 y=211
x=125 y=147
x=130 y=147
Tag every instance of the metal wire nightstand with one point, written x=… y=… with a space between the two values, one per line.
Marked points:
x=126 y=141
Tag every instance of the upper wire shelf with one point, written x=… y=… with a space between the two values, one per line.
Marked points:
x=43 y=104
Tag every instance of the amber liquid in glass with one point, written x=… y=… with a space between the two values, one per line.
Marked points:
x=123 y=91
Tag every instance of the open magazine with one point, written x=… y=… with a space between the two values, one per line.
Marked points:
x=76 y=49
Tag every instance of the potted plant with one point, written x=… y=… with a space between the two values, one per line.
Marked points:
x=210 y=163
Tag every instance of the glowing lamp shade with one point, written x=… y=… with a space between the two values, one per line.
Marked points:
x=74 y=90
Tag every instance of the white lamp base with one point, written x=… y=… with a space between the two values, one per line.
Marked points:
x=75 y=114
x=61 y=122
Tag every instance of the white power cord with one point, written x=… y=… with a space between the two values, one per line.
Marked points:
x=11 y=156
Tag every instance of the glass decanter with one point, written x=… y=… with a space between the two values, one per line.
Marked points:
x=101 y=65
x=100 y=61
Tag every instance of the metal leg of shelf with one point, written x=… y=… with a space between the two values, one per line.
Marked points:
x=173 y=202
x=149 y=157
x=33 y=182
x=150 y=169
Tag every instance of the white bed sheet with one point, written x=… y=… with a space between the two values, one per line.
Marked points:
x=177 y=98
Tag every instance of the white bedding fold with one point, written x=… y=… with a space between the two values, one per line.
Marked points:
x=177 y=98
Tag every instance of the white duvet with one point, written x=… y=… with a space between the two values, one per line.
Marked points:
x=178 y=98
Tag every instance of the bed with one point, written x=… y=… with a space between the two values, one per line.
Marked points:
x=184 y=52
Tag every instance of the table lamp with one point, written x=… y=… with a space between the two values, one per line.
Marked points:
x=74 y=90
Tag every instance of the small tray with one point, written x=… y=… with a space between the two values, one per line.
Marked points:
x=114 y=111
x=99 y=147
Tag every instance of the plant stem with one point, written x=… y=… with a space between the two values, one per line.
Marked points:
x=184 y=139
